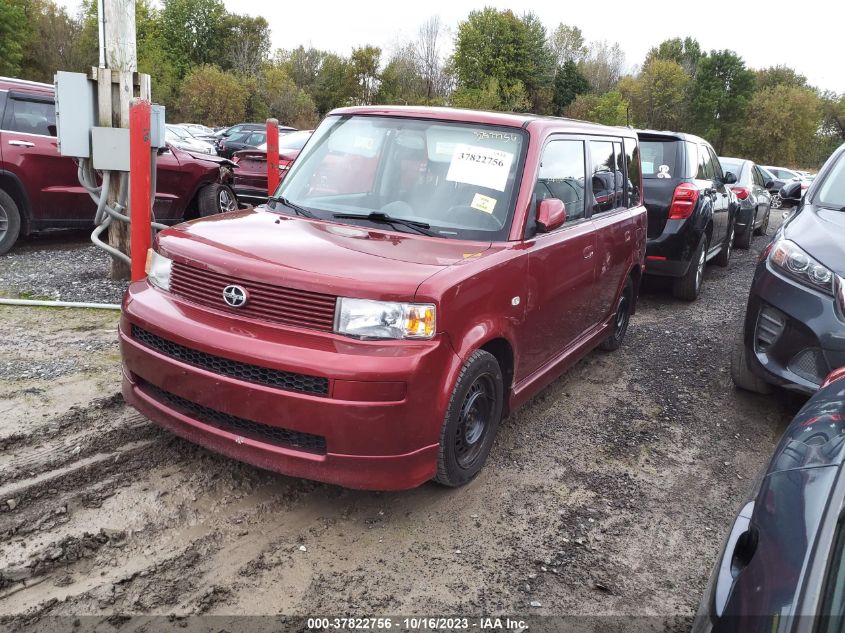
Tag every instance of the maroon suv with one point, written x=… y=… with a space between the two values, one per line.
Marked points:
x=420 y=273
x=40 y=189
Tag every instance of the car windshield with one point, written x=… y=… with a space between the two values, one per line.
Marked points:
x=733 y=166
x=659 y=158
x=178 y=132
x=456 y=180
x=832 y=191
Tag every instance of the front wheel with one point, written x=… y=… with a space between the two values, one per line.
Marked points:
x=623 y=317
x=471 y=421
x=216 y=198
x=10 y=222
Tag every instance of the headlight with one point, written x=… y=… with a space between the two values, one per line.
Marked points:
x=363 y=318
x=789 y=258
x=158 y=269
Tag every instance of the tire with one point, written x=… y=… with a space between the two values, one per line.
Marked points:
x=471 y=421
x=741 y=373
x=10 y=222
x=777 y=202
x=216 y=198
x=724 y=256
x=764 y=227
x=623 y=317
x=688 y=287
x=743 y=240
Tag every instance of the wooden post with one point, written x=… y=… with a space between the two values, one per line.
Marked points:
x=114 y=94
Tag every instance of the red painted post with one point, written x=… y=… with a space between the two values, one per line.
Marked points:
x=139 y=185
x=273 y=174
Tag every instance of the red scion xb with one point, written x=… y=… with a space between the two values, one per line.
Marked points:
x=419 y=273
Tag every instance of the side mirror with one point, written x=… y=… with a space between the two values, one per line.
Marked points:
x=791 y=191
x=730 y=178
x=770 y=184
x=551 y=214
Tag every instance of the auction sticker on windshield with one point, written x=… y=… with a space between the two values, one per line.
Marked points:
x=480 y=166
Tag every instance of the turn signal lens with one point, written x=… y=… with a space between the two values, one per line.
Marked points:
x=158 y=269
x=366 y=319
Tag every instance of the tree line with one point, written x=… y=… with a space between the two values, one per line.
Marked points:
x=211 y=66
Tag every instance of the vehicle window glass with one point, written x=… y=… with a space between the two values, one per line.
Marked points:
x=295 y=140
x=832 y=192
x=632 y=161
x=618 y=174
x=30 y=117
x=705 y=165
x=256 y=138
x=692 y=159
x=757 y=177
x=603 y=177
x=562 y=176
x=733 y=166
x=459 y=178
x=832 y=610
x=718 y=172
x=659 y=159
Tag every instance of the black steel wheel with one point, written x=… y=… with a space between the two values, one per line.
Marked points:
x=10 y=222
x=471 y=421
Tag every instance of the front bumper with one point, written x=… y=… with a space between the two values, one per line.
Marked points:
x=377 y=424
x=795 y=335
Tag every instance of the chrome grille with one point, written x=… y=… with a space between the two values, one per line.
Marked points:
x=267 y=302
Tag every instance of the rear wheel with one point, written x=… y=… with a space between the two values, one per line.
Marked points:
x=741 y=373
x=10 y=222
x=724 y=256
x=216 y=198
x=688 y=287
x=472 y=420
x=623 y=317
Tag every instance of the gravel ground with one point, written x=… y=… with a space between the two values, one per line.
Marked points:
x=608 y=494
x=59 y=265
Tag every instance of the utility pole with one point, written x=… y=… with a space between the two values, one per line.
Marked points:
x=115 y=88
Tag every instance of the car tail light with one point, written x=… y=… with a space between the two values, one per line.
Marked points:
x=683 y=201
x=741 y=192
x=836 y=374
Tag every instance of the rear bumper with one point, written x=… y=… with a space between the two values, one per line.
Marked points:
x=670 y=254
x=379 y=420
x=805 y=327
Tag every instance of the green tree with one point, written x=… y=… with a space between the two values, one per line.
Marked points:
x=488 y=97
x=684 y=52
x=285 y=101
x=194 y=32
x=603 y=66
x=658 y=95
x=569 y=83
x=212 y=96
x=54 y=41
x=403 y=80
x=719 y=94
x=780 y=76
x=302 y=65
x=833 y=108
x=540 y=72
x=365 y=61
x=14 y=34
x=247 y=43
x=568 y=44
x=335 y=85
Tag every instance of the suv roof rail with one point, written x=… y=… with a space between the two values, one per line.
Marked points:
x=26 y=82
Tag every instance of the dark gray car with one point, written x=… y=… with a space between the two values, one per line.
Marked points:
x=755 y=201
x=794 y=330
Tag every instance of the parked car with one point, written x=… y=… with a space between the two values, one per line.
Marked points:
x=782 y=176
x=754 y=200
x=197 y=130
x=250 y=181
x=181 y=138
x=420 y=273
x=691 y=210
x=39 y=189
x=240 y=141
x=782 y=566
x=794 y=330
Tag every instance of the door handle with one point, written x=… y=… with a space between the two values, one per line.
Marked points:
x=588 y=252
x=22 y=143
x=627 y=236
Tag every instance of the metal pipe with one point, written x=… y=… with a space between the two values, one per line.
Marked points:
x=101 y=31
x=59 y=304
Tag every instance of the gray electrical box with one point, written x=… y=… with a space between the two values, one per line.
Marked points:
x=157 y=129
x=110 y=148
x=76 y=111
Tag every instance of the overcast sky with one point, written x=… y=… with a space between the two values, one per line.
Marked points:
x=801 y=34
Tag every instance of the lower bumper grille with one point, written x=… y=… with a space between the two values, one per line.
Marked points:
x=246 y=428
x=810 y=364
x=285 y=380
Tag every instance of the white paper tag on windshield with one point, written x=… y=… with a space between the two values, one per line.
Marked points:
x=480 y=166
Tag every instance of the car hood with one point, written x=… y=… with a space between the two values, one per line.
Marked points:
x=317 y=256
x=820 y=232
x=183 y=154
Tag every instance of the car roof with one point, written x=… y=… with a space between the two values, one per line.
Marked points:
x=22 y=85
x=676 y=136
x=508 y=119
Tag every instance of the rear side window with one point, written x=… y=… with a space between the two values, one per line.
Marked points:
x=632 y=159
x=30 y=117
x=603 y=176
x=705 y=165
x=562 y=176
x=757 y=177
x=659 y=159
x=717 y=168
x=619 y=174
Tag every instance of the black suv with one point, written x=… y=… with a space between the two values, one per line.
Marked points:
x=794 y=330
x=691 y=211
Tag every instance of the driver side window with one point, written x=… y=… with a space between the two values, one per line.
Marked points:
x=561 y=176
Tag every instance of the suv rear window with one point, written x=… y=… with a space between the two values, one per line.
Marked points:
x=659 y=159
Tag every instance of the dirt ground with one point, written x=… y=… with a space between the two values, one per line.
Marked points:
x=610 y=493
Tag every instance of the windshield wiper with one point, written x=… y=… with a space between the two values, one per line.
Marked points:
x=295 y=207
x=384 y=218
